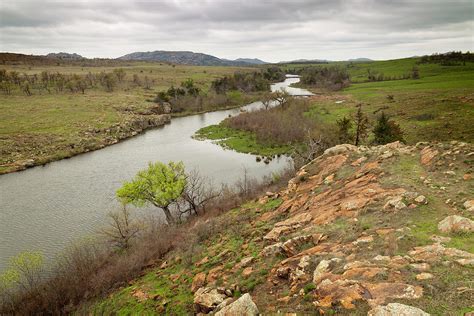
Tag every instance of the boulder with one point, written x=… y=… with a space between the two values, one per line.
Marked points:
x=427 y=155
x=396 y=309
x=243 y=306
x=321 y=269
x=207 y=299
x=456 y=223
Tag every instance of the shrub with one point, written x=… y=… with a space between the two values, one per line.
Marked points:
x=387 y=131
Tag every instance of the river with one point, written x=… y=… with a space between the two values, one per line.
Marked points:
x=45 y=208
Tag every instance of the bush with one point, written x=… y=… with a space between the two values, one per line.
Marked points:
x=387 y=131
x=277 y=125
x=332 y=78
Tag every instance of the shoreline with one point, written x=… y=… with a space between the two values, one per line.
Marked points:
x=127 y=129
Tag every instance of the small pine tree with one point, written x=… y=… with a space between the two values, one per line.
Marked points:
x=362 y=124
x=387 y=131
x=345 y=136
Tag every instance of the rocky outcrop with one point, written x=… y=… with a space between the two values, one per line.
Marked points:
x=207 y=299
x=343 y=185
x=456 y=223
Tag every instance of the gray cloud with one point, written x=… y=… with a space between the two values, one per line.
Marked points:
x=271 y=30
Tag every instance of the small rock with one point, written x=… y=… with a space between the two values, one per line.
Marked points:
x=466 y=262
x=329 y=179
x=202 y=261
x=247 y=272
x=469 y=205
x=450 y=173
x=420 y=266
x=424 y=276
x=396 y=309
x=386 y=155
x=440 y=239
x=467 y=177
x=421 y=199
x=363 y=240
x=245 y=262
x=272 y=250
x=456 y=223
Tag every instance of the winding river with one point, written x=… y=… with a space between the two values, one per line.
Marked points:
x=46 y=208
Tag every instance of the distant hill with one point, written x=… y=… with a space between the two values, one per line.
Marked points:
x=62 y=55
x=254 y=61
x=189 y=58
x=305 y=61
x=360 y=59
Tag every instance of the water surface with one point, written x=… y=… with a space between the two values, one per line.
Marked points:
x=46 y=208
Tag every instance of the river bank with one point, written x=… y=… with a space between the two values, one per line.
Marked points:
x=38 y=150
x=45 y=209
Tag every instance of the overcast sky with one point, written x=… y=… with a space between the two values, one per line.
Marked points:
x=269 y=30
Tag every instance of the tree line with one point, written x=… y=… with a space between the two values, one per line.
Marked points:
x=49 y=82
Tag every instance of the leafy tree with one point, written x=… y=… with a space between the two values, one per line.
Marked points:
x=160 y=185
x=345 y=135
x=362 y=124
x=387 y=131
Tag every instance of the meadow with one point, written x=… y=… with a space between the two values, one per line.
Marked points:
x=51 y=125
x=437 y=106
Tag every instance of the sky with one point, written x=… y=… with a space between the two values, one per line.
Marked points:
x=270 y=30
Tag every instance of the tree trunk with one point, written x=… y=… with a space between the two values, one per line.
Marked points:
x=169 y=217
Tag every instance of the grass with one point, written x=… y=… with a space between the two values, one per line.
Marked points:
x=241 y=141
x=47 y=127
x=438 y=106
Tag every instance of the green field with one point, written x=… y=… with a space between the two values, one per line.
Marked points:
x=52 y=125
x=437 y=107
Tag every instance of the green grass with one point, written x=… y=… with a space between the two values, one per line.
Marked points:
x=240 y=141
x=438 y=106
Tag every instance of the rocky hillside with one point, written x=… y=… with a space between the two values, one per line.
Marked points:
x=381 y=230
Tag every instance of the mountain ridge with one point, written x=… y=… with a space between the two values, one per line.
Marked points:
x=189 y=58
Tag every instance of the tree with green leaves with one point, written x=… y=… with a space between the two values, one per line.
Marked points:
x=345 y=136
x=387 y=131
x=160 y=185
x=361 y=124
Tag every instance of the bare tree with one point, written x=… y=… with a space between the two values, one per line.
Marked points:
x=196 y=195
x=281 y=97
x=122 y=228
x=267 y=100
x=362 y=124
x=312 y=148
